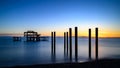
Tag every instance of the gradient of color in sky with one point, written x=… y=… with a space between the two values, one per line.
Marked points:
x=44 y=16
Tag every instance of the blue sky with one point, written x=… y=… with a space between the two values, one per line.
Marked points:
x=44 y=16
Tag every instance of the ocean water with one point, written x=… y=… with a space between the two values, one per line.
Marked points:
x=30 y=53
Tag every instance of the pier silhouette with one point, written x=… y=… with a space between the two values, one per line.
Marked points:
x=68 y=51
x=31 y=36
x=34 y=36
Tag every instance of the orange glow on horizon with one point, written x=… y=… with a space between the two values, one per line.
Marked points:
x=81 y=33
x=101 y=33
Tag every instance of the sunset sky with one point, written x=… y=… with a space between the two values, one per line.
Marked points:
x=44 y=16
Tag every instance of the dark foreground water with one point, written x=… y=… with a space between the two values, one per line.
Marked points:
x=29 y=53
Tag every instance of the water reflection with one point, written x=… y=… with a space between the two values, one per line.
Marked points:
x=19 y=53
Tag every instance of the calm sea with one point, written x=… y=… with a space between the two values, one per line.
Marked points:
x=29 y=53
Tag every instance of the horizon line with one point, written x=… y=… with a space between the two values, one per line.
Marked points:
x=49 y=36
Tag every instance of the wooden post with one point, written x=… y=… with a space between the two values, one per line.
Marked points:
x=54 y=43
x=64 y=43
x=76 y=44
x=53 y=46
x=89 y=43
x=96 y=42
x=70 y=40
x=67 y=41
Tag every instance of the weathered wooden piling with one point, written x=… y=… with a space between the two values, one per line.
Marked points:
x=64 y=42
x=53 y=46
x=70 y=41
x=76 y=44
x=67 y=41
x=89 y=41
x=96 y=42
x=54 y=42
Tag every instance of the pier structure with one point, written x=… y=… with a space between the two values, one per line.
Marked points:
x=32 y=36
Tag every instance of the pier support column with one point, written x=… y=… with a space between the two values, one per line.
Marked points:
x=67 y=42
x=54 y=43
x=89 y=43
x=53 y=46
x=76 y=44
x=70 y=41
x=64 y=43
x=96 y=42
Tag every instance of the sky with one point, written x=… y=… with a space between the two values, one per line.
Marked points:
x=44 y=16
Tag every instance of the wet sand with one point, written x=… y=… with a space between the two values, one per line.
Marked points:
x=103 y=63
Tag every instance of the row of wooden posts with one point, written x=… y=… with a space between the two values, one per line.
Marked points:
x=68 y=48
